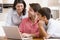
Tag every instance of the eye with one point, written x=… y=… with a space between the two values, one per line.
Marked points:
x=18 y=6
x=21 y=5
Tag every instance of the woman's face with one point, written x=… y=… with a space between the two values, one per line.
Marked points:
x=19 y=7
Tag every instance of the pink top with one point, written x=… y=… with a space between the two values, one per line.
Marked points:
x=27 y=26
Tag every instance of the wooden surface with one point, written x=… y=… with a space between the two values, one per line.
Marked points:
x=4 y=38
x=12 y=39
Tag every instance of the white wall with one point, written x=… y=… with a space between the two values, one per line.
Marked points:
x=8 y=1
x=41 y=2
x=1 y=1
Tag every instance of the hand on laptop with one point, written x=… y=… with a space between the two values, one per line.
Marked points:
x=25 y=35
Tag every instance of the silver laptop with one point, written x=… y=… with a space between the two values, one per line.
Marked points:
x=12 y=32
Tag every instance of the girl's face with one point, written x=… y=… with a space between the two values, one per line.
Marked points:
x=40 y=17
x=31 y=12
x=19 y=7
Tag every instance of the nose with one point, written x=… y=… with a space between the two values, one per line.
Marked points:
x=19 y=7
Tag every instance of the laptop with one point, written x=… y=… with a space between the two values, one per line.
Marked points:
x=12 y=32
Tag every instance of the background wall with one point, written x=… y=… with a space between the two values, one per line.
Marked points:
x=42 y=2
x=52 y=4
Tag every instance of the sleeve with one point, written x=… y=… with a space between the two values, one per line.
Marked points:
x=51 y=29
x=8 y=18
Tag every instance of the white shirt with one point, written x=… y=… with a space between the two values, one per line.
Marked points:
x=13 y=19
x=53 y=28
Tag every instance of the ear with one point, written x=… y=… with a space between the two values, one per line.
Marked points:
x=44 y=17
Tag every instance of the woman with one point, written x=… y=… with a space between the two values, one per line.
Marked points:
x=17 y=13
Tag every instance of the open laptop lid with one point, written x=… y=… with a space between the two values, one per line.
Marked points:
x=12 y=32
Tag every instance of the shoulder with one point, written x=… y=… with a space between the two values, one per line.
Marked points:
x=10 y=11
x=25 y=19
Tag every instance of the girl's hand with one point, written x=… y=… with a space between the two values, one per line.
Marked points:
x=25 y=35
x=47 y=37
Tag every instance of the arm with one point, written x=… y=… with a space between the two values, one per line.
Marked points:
x=41 y=29
x=9 y=17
